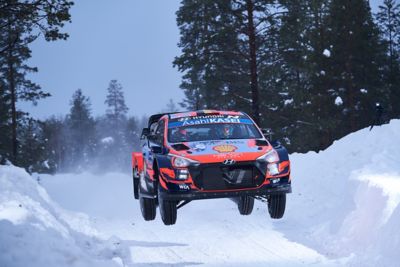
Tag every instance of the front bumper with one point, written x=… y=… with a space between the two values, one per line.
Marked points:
x=193 y=195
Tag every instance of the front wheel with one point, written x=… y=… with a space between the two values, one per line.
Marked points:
x=276 y=205
x=148 y=208
x=168 y=210
x=245 y=205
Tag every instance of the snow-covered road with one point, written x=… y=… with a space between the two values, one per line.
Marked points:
x=344 y=211
x=210 y=232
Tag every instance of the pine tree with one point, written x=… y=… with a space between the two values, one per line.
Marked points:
x=80 y=135
x=115 y=101
x=21 y=23
x=5 y=122
x=113 y=128
x=15 y=82
x=388 y=19
x=221 y=52
x=170 y=107
x=56 y=145
x=355 y=63
x=39 y=17
x=216 y=71
x=132 y=135
x=32 y=147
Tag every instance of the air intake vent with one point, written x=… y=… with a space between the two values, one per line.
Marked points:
x=180 y=147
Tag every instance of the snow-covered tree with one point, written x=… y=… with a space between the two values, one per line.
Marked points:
x=81 y=141
x=116 y=108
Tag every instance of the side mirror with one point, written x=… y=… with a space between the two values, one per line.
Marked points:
x=157 y=149
x=145 y=133
x=276 y=144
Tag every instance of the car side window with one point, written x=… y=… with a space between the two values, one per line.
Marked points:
x=160 y=132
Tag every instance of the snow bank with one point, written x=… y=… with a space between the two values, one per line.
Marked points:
x=346 y=199
x=34 y=231
x=344 y=210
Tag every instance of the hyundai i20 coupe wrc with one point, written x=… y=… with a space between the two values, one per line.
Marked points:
x=204 y=155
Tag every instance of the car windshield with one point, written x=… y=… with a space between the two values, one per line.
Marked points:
x=212 y=131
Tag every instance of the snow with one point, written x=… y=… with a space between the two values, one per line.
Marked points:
x=327 y=53
x=338 y=101
x=288 y=101
x=354 y=197
x=363 y=91
x=35 y=231
x=344 y=211
x=46 y=164
x=107 y=140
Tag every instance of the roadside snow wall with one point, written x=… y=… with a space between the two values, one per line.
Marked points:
x=345 y=200
x=34 y=231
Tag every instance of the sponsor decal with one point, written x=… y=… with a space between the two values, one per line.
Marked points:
x=229 y=162
x=203 y=117
x=209 y=120
x=226 y=156
x=199 y=147
x=221 y=142
x=184 y=187
x=225 y=148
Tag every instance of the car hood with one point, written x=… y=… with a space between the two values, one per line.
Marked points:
x=219 y=150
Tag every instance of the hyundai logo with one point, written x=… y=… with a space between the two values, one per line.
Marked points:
x=229 y=162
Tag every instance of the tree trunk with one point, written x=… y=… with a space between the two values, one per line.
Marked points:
x=253 y=62
x=11 y=84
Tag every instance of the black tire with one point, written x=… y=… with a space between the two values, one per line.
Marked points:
x=245 y=205
x=148 y=208
x=168 y=211
x=277 y=205
x=135 y=184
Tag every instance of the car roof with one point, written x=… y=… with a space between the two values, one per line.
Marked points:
x=203 y=113
x=174 y=115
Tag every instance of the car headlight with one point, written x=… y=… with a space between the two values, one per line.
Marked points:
x=270 y=157
x=273 y=169
x=181 y=162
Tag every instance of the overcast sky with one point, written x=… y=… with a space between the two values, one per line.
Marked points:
x=133 y=41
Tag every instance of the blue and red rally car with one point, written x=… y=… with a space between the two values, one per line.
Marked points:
x=208 y=154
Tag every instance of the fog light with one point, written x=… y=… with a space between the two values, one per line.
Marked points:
x=274 y=181
x=182 y=177
x=273 y=169
x=182 y=174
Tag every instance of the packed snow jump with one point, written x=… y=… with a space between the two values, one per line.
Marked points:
x=204 y=155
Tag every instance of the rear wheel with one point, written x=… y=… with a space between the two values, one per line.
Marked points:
x=136 y=183
x=168 y=210
x=245 y=205
x=276 y=205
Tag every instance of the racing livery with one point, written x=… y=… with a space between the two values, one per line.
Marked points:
x=208 y=154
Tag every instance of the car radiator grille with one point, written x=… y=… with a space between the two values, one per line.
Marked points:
x=222 y=177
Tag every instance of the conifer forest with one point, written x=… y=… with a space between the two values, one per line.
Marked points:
x=310 y=70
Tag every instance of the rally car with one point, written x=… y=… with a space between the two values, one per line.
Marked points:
x=208 y=154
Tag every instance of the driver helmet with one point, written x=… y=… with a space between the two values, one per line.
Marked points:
x=227 y=130
x=181 y=134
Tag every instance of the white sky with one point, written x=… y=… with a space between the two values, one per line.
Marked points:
x=133 y=41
